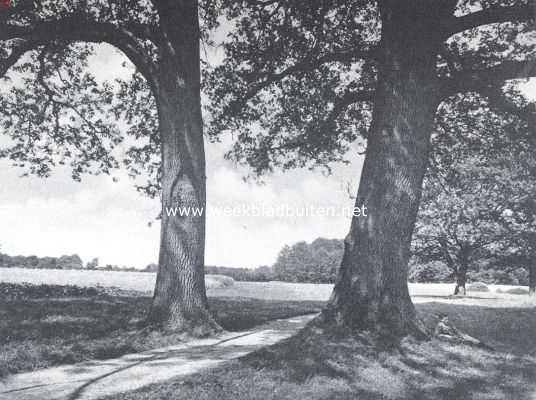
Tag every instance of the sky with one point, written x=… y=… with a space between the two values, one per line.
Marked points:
x=104 y=217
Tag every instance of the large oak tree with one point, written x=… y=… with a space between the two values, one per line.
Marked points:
x=478 y=186
x=56 y=111
x=303 y=79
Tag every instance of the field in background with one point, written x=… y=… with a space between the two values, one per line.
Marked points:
x=139 y=281
x=223 y=286
x=37 y=332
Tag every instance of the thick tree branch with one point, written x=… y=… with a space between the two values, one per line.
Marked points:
x=78 y=28
x=144 y=31
x=479 y=80
x=17 y=51
x=305 y=65
x=491 y=15
x=347 y=99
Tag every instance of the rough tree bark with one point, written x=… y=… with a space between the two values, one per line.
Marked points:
x=171 y=67
x=180 y=301
x=461 y=280
x=371 y=291
x=532 y=280
x=464 y=257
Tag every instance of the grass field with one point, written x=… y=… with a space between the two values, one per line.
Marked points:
x=331 y=367
x=219 y=286
x=139 y=281
x=43 y=331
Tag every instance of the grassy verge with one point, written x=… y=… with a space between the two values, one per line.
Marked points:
x=315 y=365
x=58 y=327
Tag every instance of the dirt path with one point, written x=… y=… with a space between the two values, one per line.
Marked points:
x=95 y=379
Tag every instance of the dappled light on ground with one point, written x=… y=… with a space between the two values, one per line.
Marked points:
x=42 y=332
x=317 y=369
x=317 y=364
x=95 y=379
x=38 y=333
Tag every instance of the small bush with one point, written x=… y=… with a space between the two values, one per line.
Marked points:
x=218 y=281
x=432 y=272
x=516 y=290
x=17 y=291
x=506 y=276
x=477 y=287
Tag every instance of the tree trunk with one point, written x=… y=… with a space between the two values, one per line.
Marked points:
x=532 y=280
x=180 y=301
x=371 y=292
x=464 y=257
x=461 y=280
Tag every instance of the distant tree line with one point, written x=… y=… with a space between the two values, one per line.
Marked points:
x=65 y=262
x=70 y=262
x=317 y=262
x=34 y=262
x=302 y=262
x=260 y=274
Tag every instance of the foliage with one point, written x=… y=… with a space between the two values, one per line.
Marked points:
x=481 y=179
x=259 y=274
x=502 y=275
x=13 y=291
x=430 y=272
x=64 y=262
x=93 y=264
x=54 y=108
x=317 y=262
x=301 y=262
x=297 y=83
x=438 y=272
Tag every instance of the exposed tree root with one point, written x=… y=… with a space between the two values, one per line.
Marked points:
x=196 y=325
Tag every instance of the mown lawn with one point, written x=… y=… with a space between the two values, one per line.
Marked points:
x=315 y=365
x=38 y=332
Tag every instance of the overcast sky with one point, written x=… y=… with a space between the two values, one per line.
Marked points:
x=110 y=220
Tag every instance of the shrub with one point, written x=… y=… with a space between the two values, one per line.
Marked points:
x=516 y=290
x=477 y=287
x=260 y=274
x=315 y=262
x=504 y=276
x=218 y=281
x=432 y=272
x=16 y=291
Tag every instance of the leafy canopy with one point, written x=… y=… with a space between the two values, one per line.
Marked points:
x=53 y=108
x=478 y=197
x=297 y=84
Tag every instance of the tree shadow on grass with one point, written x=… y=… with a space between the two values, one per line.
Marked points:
x=507 y=329
x=41 y=332
x=416 y=370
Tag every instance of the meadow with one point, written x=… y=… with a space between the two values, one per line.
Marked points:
x=138 y=281
x=101 y=317
x=43 y=326
x=223 y=286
